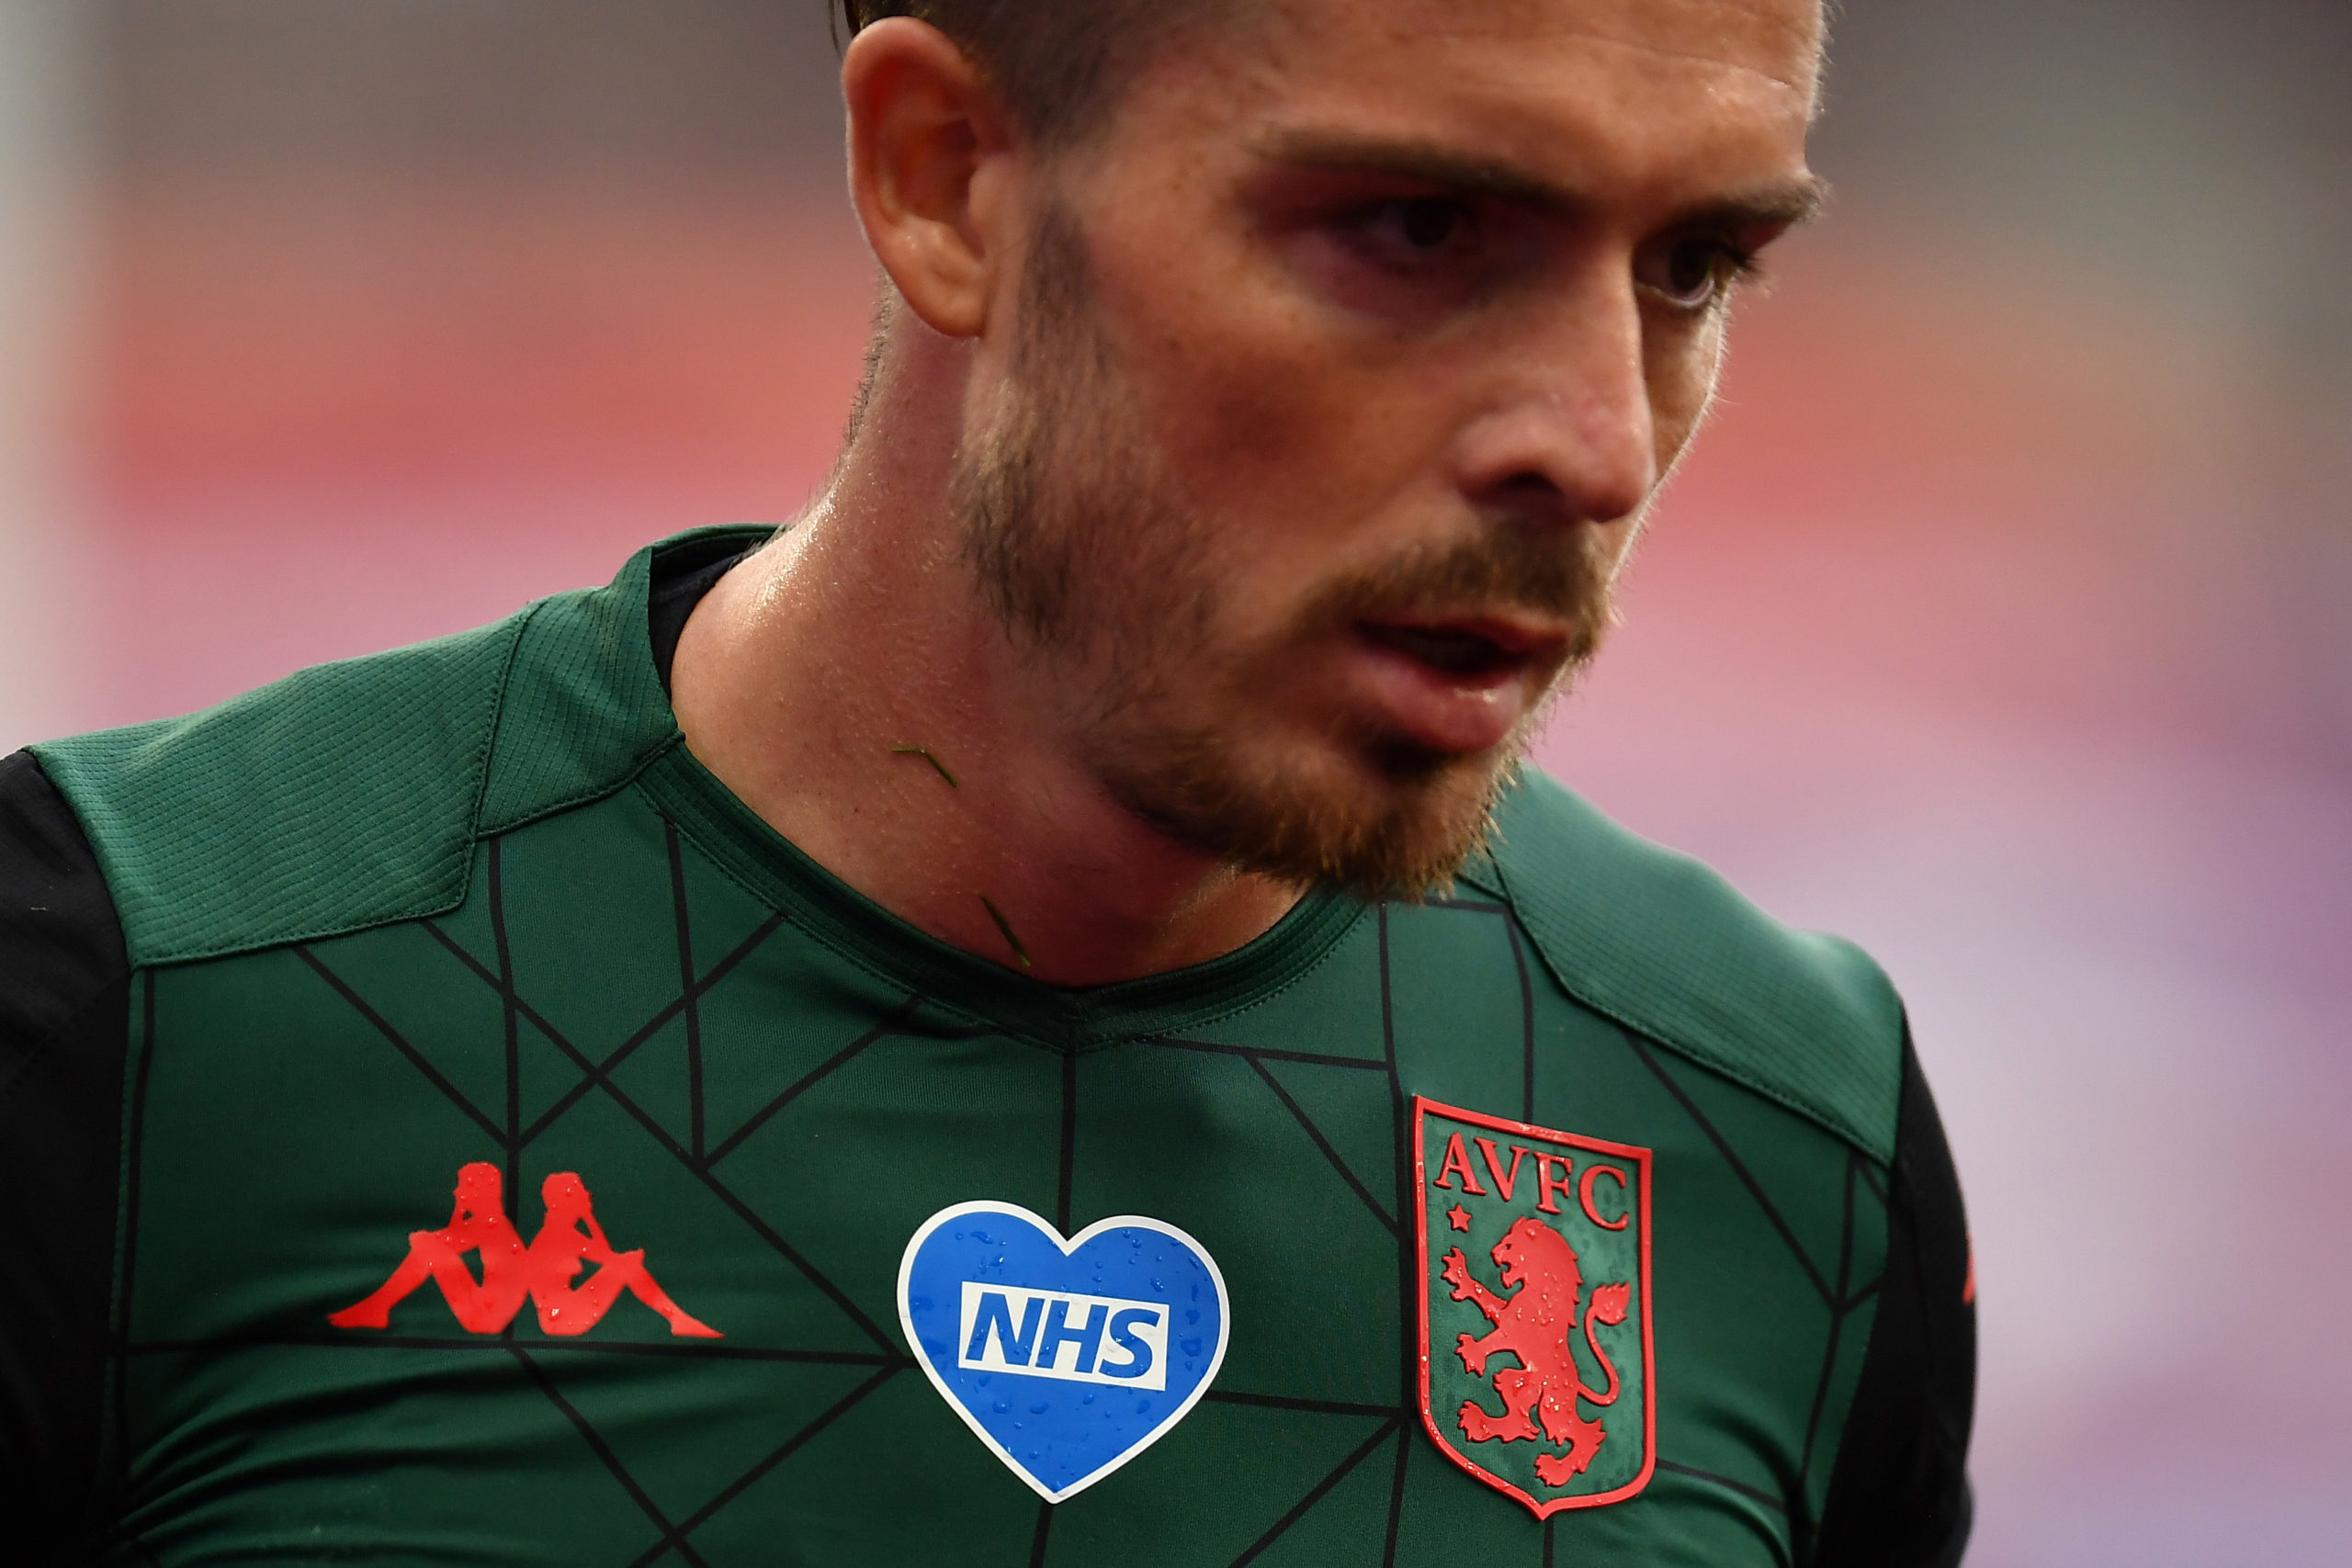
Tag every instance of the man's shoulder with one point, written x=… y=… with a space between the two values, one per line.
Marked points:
x=352 y=795
x=1666 y=947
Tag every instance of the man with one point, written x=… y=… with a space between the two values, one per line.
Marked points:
x=1052 y=956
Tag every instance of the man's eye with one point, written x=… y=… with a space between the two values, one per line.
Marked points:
x=1418 y=227
x=1692 y=274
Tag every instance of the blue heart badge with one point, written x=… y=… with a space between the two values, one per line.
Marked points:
x=1067 y=1357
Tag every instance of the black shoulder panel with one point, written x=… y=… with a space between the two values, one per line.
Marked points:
x=64 y=1032
x=1899 y=1497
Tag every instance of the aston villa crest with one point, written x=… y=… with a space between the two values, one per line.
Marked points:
x=1534 y=1257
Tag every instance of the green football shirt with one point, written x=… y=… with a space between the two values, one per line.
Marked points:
x=462 y=1132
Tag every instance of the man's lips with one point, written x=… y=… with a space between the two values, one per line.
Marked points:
x=1456 y=685
x=1476 y=651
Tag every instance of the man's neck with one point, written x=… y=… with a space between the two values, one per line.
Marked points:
x=846 y=683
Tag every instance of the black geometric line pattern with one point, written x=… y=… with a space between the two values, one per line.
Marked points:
x=1409 y=1281
x=513 y=1139
x=1841 y=1299
x=1877 y=1187
x=1324 y=1144
x=1285 y=1402
x=1526 y=992
x=700 y=1156
x=1065 y=1183
x=432 y=1074
x=1065 y=1173
x=671 y=1540
x=1264 y=1053
x=1526 y=1023
x=817 y=1074
x=599 y=1076
x=1043 y=1538
x=1739 y=1167
x=510 y=1018
x=687 y=986
x=658 y=1350
x=1388 y=1428
x=1396 y=1489
x=790 y=1446
x=1837 y=1320
x=1755 y=1494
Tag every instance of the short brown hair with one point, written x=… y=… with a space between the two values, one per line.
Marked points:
x=1055 y=63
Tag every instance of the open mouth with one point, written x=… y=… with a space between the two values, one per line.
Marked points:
x=1455 y=651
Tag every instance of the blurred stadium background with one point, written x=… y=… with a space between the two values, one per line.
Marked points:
x=2004 y=621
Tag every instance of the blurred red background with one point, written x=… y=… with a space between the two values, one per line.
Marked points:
x=2000 y=622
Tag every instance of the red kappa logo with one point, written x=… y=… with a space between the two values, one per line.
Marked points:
x=1533 y=1325
x=570 y=1239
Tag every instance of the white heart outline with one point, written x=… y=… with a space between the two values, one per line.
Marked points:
x=1053 y=1233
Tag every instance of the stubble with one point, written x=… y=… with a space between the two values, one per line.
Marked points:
x=1101 y=571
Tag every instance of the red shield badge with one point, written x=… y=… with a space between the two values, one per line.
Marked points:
x=1535 y=1253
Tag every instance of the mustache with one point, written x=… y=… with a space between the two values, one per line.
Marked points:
x=1545 y=569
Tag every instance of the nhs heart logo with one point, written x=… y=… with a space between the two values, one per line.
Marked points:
x=1067 y=1357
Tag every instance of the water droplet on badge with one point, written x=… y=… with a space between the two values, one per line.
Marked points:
x=1086 y=1398
x=1143 y=1406
x=922 y=1303
x=1157 y=1285
x=1001 y=1407
x=1192 y=1315
x=1039 y=1409
x=1190 y=1346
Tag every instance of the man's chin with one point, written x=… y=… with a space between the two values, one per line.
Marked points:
x=1390 y=820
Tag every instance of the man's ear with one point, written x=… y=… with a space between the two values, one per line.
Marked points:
x=932 y=170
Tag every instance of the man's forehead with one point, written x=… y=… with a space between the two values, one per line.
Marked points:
x=1774 y=43
x=1672 y=104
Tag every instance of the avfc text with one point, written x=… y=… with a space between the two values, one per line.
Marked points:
x=1053 y=1334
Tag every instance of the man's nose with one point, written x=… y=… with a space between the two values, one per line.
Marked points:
x=1568 y=423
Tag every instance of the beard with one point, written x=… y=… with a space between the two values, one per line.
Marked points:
x=1084 y=543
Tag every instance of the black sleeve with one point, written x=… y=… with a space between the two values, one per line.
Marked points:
x=1899 y=1497
x=65 y=1035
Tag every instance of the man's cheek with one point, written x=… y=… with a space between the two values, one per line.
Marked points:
x=1682 y=377
x=1323 y=444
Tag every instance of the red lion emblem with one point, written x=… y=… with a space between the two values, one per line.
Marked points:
x=1534 y=1324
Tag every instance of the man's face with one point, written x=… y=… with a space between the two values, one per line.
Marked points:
x=1348 y=355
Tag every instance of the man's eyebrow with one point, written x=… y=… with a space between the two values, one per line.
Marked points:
x=1785 y=204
